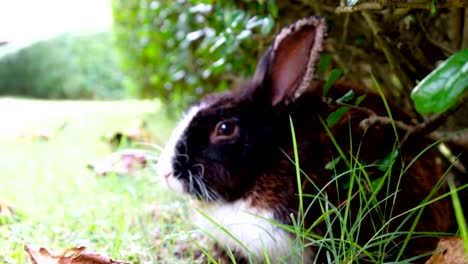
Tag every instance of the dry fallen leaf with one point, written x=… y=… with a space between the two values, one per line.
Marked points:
x=75 y=255
x=135 y=132
x=450 y=250
x=7 y=214
x=41 y=133
x=137 y=129
x=122 y=162
x=6 y=211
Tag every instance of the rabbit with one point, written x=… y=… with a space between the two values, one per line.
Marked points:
x=233 y=153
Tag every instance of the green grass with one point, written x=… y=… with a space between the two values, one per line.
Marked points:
x=61 y=204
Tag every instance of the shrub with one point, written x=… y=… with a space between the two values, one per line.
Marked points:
x=180 y=50
x=67 y=67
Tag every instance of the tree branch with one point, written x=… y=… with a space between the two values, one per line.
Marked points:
x=394 y=65
x=378 y=5
x=424 y=129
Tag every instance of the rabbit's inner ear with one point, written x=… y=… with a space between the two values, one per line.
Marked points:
x=293 y=59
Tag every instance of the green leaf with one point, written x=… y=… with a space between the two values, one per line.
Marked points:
x=334 y=117
x=347 y=97
x=267 y=26
x=387 y=161
x=433 y=7
x=324 y=62
x=254 y=22
x=332 y=164
x=441 y=89
x=244 y=34
x=360 y=99
x=273 y=8
x=220 y=41
x=459 y=215
x=335 y=74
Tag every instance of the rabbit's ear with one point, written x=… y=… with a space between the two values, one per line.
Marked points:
x=289 y=65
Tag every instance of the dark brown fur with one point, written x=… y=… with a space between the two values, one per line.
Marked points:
x=277 y=188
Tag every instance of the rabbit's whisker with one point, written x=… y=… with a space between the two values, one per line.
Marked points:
x=191 y=179
x=177 y=162
x=151 y=145
x=202 y=168
x=183 y=155
x=184 y=143
x=202 y=187
x=212 y=195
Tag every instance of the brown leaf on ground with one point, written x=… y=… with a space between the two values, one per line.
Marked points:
x=122 y=162
x=41 y=133
x=136 y=132
x=6 y=211
x=450 y=250
x=75 y=255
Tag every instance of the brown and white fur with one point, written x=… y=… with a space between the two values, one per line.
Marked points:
x=233 y=153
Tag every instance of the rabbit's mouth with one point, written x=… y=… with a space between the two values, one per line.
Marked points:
x=182 y=176
x=172 y=183
x=194 y=183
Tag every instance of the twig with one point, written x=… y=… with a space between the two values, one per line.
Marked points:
x=384 y=120
x=426 y=129
x=454 y=28
x=373 y=117
x=431 y=40
x=460 y=139
x=464 y=43
x=394 y=65
x=359 y=7
x=344 y=37
x=393 y=87
x=337 y=58
x=435 y=122
x=330 y=101
x=348 y=48
x=381 y=6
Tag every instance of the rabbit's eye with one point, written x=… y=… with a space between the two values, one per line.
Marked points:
x=226 y=129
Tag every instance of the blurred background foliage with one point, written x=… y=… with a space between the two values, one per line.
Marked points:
x=180 y=50
x=177 y=51
x=64 y=67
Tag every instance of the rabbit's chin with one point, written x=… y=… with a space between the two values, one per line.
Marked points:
x=173 y=184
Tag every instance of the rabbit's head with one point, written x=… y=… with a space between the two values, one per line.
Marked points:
x=224 y=142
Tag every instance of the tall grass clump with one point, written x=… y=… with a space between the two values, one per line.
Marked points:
x=345 y=245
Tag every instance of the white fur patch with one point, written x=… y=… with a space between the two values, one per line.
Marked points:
x=253 y=227
x=164 y=166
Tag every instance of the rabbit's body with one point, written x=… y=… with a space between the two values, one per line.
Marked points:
x=234 y=152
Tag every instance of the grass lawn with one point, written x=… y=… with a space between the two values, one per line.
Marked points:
x=59 y=203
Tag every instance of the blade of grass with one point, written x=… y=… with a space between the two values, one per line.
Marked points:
x=459 y=215
x=298 y=170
